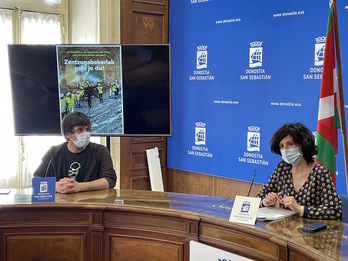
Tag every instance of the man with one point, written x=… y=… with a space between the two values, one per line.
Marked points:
x=111 y=91
x=78 y=165
x=117 y=87
x=100 y=92
x=89 y=91
x=63 y=105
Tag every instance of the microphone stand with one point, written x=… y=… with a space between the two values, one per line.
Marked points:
x=252 y=182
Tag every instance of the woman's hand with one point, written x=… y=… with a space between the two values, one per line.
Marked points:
x=290 y=202
x=272 y=199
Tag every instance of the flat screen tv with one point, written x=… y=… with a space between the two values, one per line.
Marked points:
x=124 y=89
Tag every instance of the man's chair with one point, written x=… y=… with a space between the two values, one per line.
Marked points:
x=344 y=199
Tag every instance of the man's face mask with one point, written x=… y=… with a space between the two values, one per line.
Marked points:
x=82 y=139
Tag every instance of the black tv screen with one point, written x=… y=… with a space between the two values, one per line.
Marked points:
x=124 y=89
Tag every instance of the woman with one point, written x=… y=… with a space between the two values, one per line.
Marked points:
x=299 y=183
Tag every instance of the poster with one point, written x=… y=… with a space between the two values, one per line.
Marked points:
x=90 y=78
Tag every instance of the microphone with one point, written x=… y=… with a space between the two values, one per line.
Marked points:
x=251 y=184
x=49 y=163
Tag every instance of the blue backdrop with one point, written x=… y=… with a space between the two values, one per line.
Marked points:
x=240 y=70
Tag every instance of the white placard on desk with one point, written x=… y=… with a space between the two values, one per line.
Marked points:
x=245 y=210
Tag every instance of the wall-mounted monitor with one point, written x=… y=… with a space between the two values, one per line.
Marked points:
x=124 y=89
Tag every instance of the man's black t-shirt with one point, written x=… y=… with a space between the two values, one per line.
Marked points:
x=75 y=164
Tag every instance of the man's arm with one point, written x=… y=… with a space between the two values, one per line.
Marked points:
x=45 y=168
x=106 y=168
x=67 y=185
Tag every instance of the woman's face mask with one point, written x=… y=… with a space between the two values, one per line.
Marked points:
x=292 y=156
x=82 y=139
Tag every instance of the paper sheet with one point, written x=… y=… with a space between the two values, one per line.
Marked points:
x=273 y=213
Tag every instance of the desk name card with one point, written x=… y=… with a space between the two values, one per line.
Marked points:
x=44 y=189
x=245 y=210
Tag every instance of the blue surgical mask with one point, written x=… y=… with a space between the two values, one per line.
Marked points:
x=292 y=156
x=82 y=139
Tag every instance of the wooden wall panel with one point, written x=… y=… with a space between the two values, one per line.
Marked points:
x=148 y=27
x=195 y=183
x=45 y=247
x=201 y=184
x=134 y=168
x=142 y=22
x=124 y=249
x=230 y=187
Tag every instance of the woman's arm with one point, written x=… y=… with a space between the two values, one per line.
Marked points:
x=330 y=205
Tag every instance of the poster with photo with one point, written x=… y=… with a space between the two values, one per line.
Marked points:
x=90 y=81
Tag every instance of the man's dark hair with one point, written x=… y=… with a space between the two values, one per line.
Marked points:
x=301 y=135
x=74 y=119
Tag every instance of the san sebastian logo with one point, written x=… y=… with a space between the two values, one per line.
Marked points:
x=200 y=149
x=43 y=186
x=201 y=73
x=319 y=51
x=245 y=207
x=315 y=73
x=255 y=54
x=252 y=155
x=253 y=140
x=200 y=133
x=255 y=61
x=202 y=57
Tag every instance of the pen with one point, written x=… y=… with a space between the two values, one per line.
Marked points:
x=280 y=196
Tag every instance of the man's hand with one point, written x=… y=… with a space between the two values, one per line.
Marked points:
x=67 y=185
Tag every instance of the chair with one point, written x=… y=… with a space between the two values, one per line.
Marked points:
x=344 y=199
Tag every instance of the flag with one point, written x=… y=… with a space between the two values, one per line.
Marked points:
x=328 y=117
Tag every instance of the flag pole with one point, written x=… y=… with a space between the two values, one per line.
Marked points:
x=340 y=89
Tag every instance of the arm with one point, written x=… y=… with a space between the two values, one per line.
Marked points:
x=268 y=193
x=330 y=206
x=45 y=168
x=106 y=168
x=67 y=185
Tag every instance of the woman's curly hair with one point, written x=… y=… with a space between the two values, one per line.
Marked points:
x=301 y=135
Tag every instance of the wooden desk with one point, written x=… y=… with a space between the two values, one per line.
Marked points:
x=144 y=225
